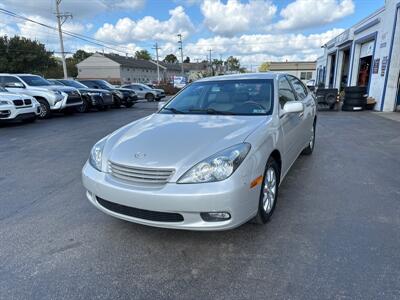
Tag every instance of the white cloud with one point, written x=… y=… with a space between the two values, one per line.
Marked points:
x=235 y=17
x=256 y=48
x=79 y=8
x=7 y=30
x=148 y=28
x=302 y=14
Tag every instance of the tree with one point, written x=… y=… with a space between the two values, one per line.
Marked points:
x=22 y=55
x=264 y=67
x=171 y=58
x=142 y=54
x=187 y=59
x=233 y=64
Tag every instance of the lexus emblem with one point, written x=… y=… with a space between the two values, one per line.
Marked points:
x=139 y=155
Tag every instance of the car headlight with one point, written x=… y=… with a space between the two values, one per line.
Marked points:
x=120 y=94
x=96 y=154
x=217 y=167
x=4 y=102
x=94 y=94
x=56 y=93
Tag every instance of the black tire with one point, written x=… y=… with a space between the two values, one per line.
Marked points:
x=129 y=104
x=310 y=148
x=352 y=108
x=354 y=96
x=117 y=102
x=355 y=89
x=45 y=111
x=149 y=97
x=355 y=102
x=84 y=108
x=263 y=216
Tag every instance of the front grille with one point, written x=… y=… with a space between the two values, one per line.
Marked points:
x=18 y=102
x=28 y=101
x=150 y=215
x=140 y=175
x=72 y=100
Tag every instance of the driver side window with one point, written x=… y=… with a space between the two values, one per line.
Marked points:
x=10 y=81
x=285 y=91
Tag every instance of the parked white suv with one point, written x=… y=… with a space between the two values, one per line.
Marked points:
x=17 y=107
x=51 y=97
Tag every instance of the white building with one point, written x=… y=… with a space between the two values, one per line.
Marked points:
x=305 y=70
x=367 y=54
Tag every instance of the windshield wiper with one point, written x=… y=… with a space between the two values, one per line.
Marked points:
x=174 y=110
x=211 y=111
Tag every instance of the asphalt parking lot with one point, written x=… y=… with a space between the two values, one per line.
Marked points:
x=335 y=233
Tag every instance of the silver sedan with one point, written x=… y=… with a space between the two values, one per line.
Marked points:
x=212 y=158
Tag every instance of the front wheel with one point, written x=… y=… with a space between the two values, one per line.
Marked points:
x=84 y=108
x=269 y=192
x=150 y=97
x=45 y=111
x=310 y=147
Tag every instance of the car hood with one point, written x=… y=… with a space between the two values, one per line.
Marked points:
x=159 y=90
x=61 y=88
x=12 y=96
x=177 y=141
x=89 y=90
x=125 y=90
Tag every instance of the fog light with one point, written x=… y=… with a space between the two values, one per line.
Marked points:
x=215 y=216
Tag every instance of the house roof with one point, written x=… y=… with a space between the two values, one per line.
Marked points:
x=131 y=62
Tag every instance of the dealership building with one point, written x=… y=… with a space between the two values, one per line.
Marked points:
x=367 y=54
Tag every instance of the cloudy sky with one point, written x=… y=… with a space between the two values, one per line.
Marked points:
x=254 y=30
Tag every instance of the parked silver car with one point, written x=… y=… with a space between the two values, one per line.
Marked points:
x=212 y=158
x=145 y=92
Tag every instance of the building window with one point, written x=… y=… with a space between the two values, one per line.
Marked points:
x=305 y=75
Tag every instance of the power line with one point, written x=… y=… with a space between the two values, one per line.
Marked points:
x=65 y=32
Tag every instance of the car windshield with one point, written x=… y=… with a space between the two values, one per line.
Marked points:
x=105 y=84
x=34 y=80
x=54 y=82
x=145 y=86
x=224 y=97
x=74 y=84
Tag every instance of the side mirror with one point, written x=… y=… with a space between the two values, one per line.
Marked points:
x=161 y=104
x=292 y=107
x=14 y=85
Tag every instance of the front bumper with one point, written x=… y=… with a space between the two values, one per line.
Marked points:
x=10 y=112
x=189 y=200
x=67 y=101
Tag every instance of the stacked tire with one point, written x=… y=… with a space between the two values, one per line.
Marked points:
x=355 y=98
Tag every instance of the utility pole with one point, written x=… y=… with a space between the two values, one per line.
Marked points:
x=61 y=18
x=211 y=68
x=158 y=67
x=181 y=48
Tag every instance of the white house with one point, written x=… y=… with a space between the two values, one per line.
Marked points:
x=305 y=70
x=367 y=54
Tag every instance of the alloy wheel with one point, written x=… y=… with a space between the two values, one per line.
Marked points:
x=269 y=190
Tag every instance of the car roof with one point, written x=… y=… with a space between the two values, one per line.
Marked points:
x=243 y=76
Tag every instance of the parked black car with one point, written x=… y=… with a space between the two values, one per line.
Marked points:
x=98 y=98
x=121 y=96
